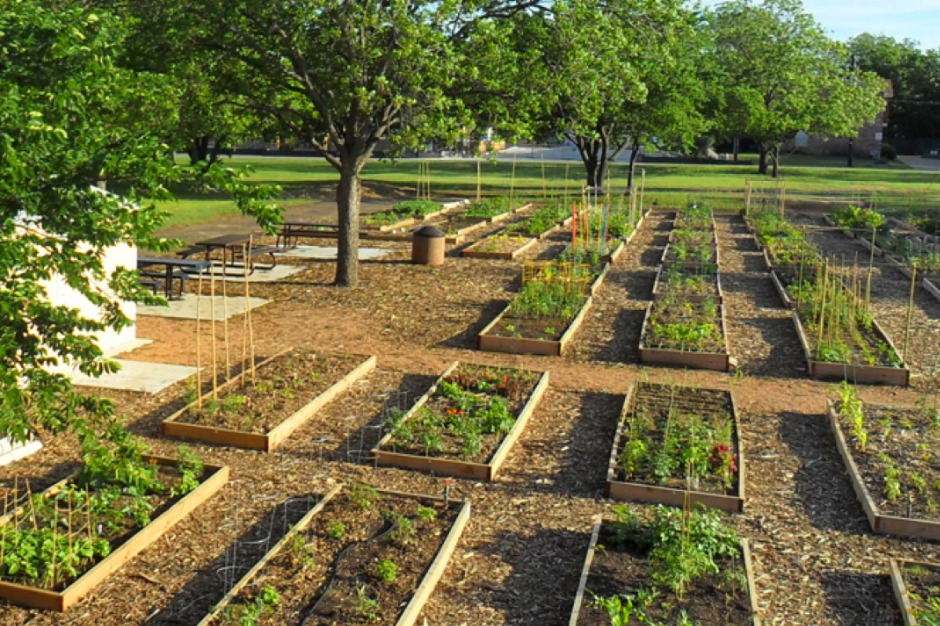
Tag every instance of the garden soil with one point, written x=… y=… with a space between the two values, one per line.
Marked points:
x=519 y=560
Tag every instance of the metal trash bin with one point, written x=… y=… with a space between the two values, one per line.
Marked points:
x=427 y=246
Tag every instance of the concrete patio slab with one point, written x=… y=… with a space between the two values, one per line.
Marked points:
x=329 y=253
x=135 y=376
x=185 y=307
x=275 y=274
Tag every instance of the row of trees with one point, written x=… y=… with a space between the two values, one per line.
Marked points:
x=105 y=90
x=608 y=75
x=914 y=111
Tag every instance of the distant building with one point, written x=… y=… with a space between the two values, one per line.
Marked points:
x=868 y=142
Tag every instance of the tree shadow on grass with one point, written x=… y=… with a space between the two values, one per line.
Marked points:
x=860 y=599
x=546 y=568
x=821 y=482
x=211 y=583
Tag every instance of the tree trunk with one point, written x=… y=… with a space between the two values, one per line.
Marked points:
x=634 y=153
x=762 y=159
x=775 y=155
x=198 y=149
x=736 y=146
x=348 y=194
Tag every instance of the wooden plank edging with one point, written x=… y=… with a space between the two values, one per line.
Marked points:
x=656 y=494
x=474 y=253
x=879 y=522
x=454 y=467
x=271 y=440
x=36 y=597
x=531 y=345
x=599 y=521
x=899 y=586
x=422 y=592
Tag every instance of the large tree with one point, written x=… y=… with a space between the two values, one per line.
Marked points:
x=344 y=75
x=781 y=74
x=598 y=63
x=71 y=117
x=915 y=80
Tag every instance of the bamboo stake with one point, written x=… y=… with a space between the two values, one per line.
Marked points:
x=567 y=165
x=199 y=344
x=244 y=366
x=822 y=306
x=225 y=339
x=479 y=177
x=512 y=180
x=215 y=355
x=871 y=267
x=32 y=509
x=427 y=171
x=910 y=310
x=544 y=192
x=642 y=188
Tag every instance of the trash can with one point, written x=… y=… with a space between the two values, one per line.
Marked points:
x=427 y=246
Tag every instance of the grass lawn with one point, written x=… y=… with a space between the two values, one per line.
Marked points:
x=892 y=187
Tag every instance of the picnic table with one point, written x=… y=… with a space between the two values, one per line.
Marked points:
x=233 y=248
x=173 y=269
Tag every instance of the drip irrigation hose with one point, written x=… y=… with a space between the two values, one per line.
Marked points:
x=309 y=612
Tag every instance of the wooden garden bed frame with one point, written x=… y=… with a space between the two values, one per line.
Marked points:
x=453 y=467
x=214 y=478
x=476 y=251
x=854 y=372
x=271 y=440
x=899 y=586
x=489 y=342
x=659 y=288
x=717 y=361
x=666 y=262
x=599 y=521
x=655 y=494
x=879 y=522
x=425 y=587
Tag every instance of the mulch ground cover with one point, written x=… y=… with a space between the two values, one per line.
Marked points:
x=518 y=562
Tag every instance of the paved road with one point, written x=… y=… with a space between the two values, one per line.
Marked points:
x=920 y=163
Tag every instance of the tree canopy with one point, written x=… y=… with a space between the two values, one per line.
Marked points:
x=72 y=117
x=780 y=74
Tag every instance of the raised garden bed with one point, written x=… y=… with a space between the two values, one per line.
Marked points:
x=687 y=284
x=685 y=334
x=499 y=246
x=404 y=214
x=702 y=257
x=917 y=590
x=359 y=556
x=679 y=446
x=517 y=334
x=495 y=209
x=856 y=371
x=666 y=567
x=693 y=238
x=98 y=542
x=543 y=221
x=888 y=454
x=287 y=391
x=465 y=424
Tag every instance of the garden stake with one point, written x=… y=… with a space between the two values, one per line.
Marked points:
x=910 y=309
x=567 y=165
x=199 y=345
x=871 y=266
x=544 y=193
x=480 y=178
x=32 y=509
x=642 y=187
x=512 y=180
x=244 y=367
x=55 y=537
x=228 y=360
x=215 y=356
x=446 y=492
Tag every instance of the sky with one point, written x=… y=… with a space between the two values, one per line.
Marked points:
x=918 y=20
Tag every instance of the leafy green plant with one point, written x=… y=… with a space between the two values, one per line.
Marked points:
x=364 y=496
x=386 y=570
x=366 y=606
x=336 y=530
x=856 y=217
